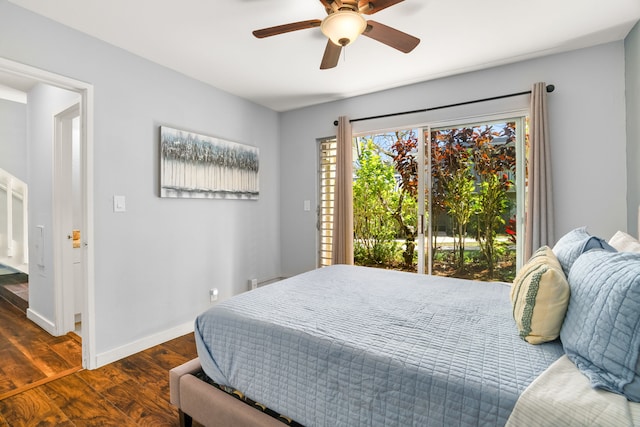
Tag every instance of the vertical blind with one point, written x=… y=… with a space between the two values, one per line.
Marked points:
x=327 y=178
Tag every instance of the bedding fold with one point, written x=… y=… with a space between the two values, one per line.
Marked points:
x=562 y=395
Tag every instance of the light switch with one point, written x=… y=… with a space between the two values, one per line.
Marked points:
x=119 y=204
x=307 y=205
x=39 y=245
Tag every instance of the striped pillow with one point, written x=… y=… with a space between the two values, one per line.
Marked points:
x=539 y=297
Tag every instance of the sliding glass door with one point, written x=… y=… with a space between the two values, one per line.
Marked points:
x=386 y=199
x=446 y=200
x=475 y=199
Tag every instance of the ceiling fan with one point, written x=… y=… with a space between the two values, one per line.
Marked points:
x=344 y=23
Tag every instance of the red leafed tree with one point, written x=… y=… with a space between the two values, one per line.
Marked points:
x=404 y=151
x=492 y=162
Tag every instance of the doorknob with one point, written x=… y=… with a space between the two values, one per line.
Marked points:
x=75 y=236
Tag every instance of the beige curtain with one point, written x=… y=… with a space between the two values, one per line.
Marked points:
x=539 y=212
x=342 y=250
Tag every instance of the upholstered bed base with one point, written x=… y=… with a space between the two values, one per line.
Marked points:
x=209 y=406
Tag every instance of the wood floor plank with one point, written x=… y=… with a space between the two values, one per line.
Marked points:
x=18 y=367
x=21 y=332
x=166 y=358
x=32 y=408
x=8 y=309
x=16 y=294
x=42 y=355
x=142 y=367
x=103 y=378
x=130 y=392
x=141 y=404
x=16 y=326
x=63 y=338
x=69 y=349
x=38 y=383
x=83 y=405
x=185 y=344
x=39 y=355
x=30 y=356
x=6 y=384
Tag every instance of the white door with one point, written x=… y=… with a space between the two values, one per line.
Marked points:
x=68 y=216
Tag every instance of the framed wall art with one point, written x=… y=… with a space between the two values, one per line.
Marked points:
x=204 y=167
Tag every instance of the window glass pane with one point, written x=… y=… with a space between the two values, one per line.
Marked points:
x=385 y=186
x=473 y=201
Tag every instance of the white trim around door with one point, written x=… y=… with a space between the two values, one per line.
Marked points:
x=85 y=90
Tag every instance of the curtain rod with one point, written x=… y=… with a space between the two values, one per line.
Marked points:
x=550 y=88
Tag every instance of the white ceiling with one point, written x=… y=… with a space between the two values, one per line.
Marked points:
x=211 y=40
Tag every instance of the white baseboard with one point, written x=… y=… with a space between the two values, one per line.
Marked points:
x=41 y=321
x=143 y=344
x=270 y=281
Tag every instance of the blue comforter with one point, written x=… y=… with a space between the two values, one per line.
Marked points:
x=354 y=346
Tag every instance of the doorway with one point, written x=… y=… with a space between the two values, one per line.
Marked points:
x=68 y=203
x=78 y=214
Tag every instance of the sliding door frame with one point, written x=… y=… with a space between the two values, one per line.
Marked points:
x=519 y=116
x=425 y=232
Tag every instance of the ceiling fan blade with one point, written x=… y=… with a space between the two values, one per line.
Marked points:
x=391 y=37
x=369 y=7
x=331 y=55
x=286 y=28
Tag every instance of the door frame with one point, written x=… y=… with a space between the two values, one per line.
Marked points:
x=63 y=201
x=518 y=115
x=85 y=90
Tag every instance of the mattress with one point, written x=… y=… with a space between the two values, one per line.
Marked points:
x=346 y=345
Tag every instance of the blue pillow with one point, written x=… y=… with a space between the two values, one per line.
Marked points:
x=601 y=330
x=574 y=243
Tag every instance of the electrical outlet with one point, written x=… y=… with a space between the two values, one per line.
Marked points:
x=253 y=283
x=213 y=294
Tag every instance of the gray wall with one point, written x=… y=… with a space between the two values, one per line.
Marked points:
x=156 y=262
x=632 y=56
x=587 y=130
x=13 y=138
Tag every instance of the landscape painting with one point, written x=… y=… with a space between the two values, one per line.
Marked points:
x=204 y=167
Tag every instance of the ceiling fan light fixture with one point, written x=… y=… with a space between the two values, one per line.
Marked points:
x=343 y=27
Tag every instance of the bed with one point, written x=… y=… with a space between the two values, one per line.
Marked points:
x=346 y=345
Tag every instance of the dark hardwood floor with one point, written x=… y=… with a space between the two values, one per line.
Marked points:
x=130 y=392
x=15 y=289
x=29 y=355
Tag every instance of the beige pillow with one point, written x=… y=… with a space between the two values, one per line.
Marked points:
x=539 y=297
x=624 y=242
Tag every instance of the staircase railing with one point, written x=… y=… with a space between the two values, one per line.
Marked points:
x=14 y=241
